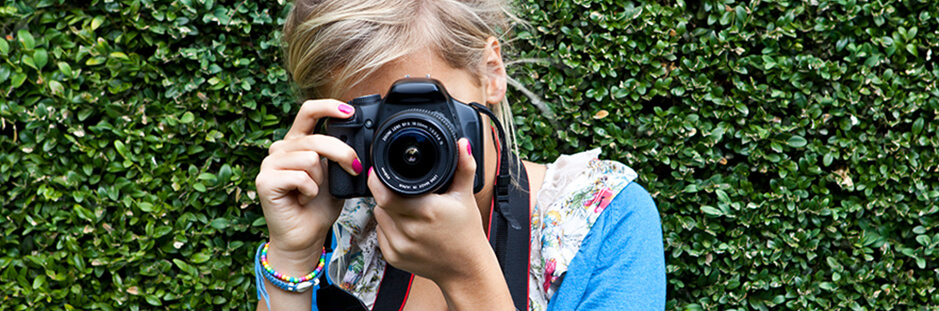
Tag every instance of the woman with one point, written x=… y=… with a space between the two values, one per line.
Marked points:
x=337 y=50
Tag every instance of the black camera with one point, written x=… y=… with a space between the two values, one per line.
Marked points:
x=408 y=138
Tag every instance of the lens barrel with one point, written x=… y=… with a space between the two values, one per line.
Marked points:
x=414 y=152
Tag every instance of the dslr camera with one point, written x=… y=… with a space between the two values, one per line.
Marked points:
x=408 y=138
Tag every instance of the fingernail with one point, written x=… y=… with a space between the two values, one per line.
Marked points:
x=370 y=169
x=356 y=166
x=346 y=109
x=469 y=148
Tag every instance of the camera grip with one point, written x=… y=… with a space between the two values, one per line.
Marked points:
x=345 y=186
x=341 y=184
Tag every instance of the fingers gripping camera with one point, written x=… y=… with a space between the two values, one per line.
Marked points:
x=409 y=138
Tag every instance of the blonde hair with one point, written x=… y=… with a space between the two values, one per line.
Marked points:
x=332 y=45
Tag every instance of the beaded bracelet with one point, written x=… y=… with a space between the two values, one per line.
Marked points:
x=288 y=279
x=291 y=287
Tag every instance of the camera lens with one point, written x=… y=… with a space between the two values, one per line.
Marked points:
x=411 y=153
x=414 y=151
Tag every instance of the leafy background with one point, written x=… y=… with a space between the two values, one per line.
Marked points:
x=791 y=146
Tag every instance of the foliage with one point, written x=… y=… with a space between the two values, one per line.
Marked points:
x=790 y=146
x=132 y=132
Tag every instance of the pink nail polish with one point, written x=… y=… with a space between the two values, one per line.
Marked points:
x=356 y=166
x=370 y=169
x=469 y=148
x=346 y=109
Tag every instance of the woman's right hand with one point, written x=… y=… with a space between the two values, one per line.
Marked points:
x=292 y=183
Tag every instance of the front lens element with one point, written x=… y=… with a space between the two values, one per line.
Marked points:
x=412 y=153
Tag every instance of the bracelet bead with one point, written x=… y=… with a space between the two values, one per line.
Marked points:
x=269 y=271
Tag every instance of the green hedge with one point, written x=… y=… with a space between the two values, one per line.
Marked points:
x=791 y=146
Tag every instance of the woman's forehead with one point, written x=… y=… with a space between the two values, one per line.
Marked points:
x=421 y=63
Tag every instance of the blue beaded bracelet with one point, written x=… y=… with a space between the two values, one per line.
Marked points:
x=259 y=270
x=291 y=287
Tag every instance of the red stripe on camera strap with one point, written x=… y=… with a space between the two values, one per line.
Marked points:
x=393 y=290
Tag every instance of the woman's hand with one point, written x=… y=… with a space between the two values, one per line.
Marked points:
x=440 y=237
x=292 y=183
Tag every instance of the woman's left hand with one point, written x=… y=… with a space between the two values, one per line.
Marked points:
x=440 y=236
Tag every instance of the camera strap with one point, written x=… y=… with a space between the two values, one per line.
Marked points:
x=508 y=236
x=510 y=239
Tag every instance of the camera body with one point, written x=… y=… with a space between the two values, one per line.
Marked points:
x=409 y=138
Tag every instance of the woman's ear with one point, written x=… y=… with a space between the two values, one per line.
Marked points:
x=494 y=76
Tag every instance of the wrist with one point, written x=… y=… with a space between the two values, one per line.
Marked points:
x=483 y=288
x=296 y=262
